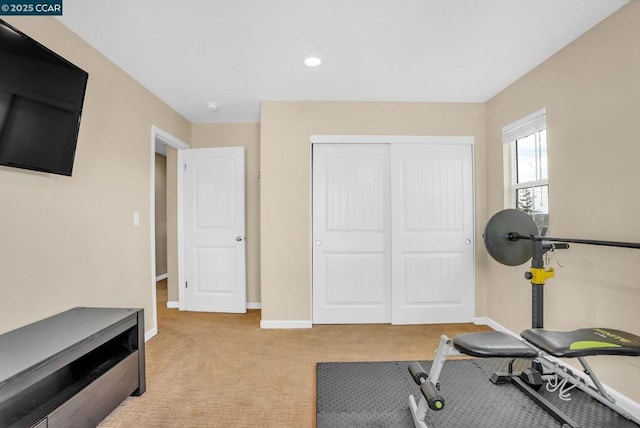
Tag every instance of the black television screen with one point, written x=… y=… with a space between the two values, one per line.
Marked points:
x=41 y=96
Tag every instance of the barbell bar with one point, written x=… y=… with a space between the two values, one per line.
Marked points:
x=509 y=234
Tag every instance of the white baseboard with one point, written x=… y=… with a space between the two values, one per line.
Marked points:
x=285 y=324
x=625 y=403
x=176 y=305
x=161 y=277
x=149 y=334
x=480 y=320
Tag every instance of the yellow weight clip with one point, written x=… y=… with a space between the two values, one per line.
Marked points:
x=539 y=276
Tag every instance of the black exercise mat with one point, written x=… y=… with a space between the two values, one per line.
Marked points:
x=376 y=395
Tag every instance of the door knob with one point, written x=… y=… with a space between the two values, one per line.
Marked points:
x=467 y=241
x=239 y=238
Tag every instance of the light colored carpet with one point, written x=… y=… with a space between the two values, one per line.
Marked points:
x=222 y=370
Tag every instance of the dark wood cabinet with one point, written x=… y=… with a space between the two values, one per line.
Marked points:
x=71 y=369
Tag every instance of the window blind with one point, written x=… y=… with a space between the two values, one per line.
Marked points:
x=528 y=125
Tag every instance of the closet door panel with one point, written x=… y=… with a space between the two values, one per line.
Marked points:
x=432 y=231
x=351 y=243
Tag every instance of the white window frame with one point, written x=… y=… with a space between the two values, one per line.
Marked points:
x=531 y=124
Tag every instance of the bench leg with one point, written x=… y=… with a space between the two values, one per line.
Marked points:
x=598 y=392
x=418 y=411
x=420 y=408
x=445 y=349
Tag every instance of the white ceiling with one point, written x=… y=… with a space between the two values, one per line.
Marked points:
x=240 y=52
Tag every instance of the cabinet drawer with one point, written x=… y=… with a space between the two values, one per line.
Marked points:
x=92 y=404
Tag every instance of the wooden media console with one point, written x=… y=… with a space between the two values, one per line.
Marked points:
x=71 y=369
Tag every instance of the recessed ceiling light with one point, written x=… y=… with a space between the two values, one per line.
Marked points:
x=312 y=61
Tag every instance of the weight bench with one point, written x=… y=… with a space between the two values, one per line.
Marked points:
x=511 y=238
x=536 y=345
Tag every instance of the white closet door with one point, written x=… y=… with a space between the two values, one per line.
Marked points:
x=432 y=230
x=351 y=226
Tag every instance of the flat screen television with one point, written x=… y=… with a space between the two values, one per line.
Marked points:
x=41 y=97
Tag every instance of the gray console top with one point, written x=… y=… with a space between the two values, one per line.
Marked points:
x=34 y=344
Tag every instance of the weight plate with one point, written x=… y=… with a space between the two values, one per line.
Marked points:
x=510 y=253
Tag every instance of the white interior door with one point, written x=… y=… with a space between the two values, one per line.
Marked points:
x=214 y=238
x=432 y=230
x=351 y=243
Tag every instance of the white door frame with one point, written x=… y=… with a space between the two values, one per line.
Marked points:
x=158 y=135
x=391 y=139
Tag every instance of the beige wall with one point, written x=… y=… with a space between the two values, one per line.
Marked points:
x=591 y=91
x=161 y=214
x=245 y=135
x=70 y=241
x=285 y=196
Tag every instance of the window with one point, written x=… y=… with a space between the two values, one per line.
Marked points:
x=529 y=190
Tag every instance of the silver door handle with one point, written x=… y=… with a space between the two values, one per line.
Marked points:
x=239 y=238
x=467 y=241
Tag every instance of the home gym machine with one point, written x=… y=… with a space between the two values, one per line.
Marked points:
x=511 y=238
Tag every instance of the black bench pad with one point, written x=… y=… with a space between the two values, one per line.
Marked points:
x=492 y=344
x=584 y=342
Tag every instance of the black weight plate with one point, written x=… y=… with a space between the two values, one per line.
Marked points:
x=510 y=253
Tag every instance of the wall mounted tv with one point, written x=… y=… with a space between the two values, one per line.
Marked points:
x=41 y=96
